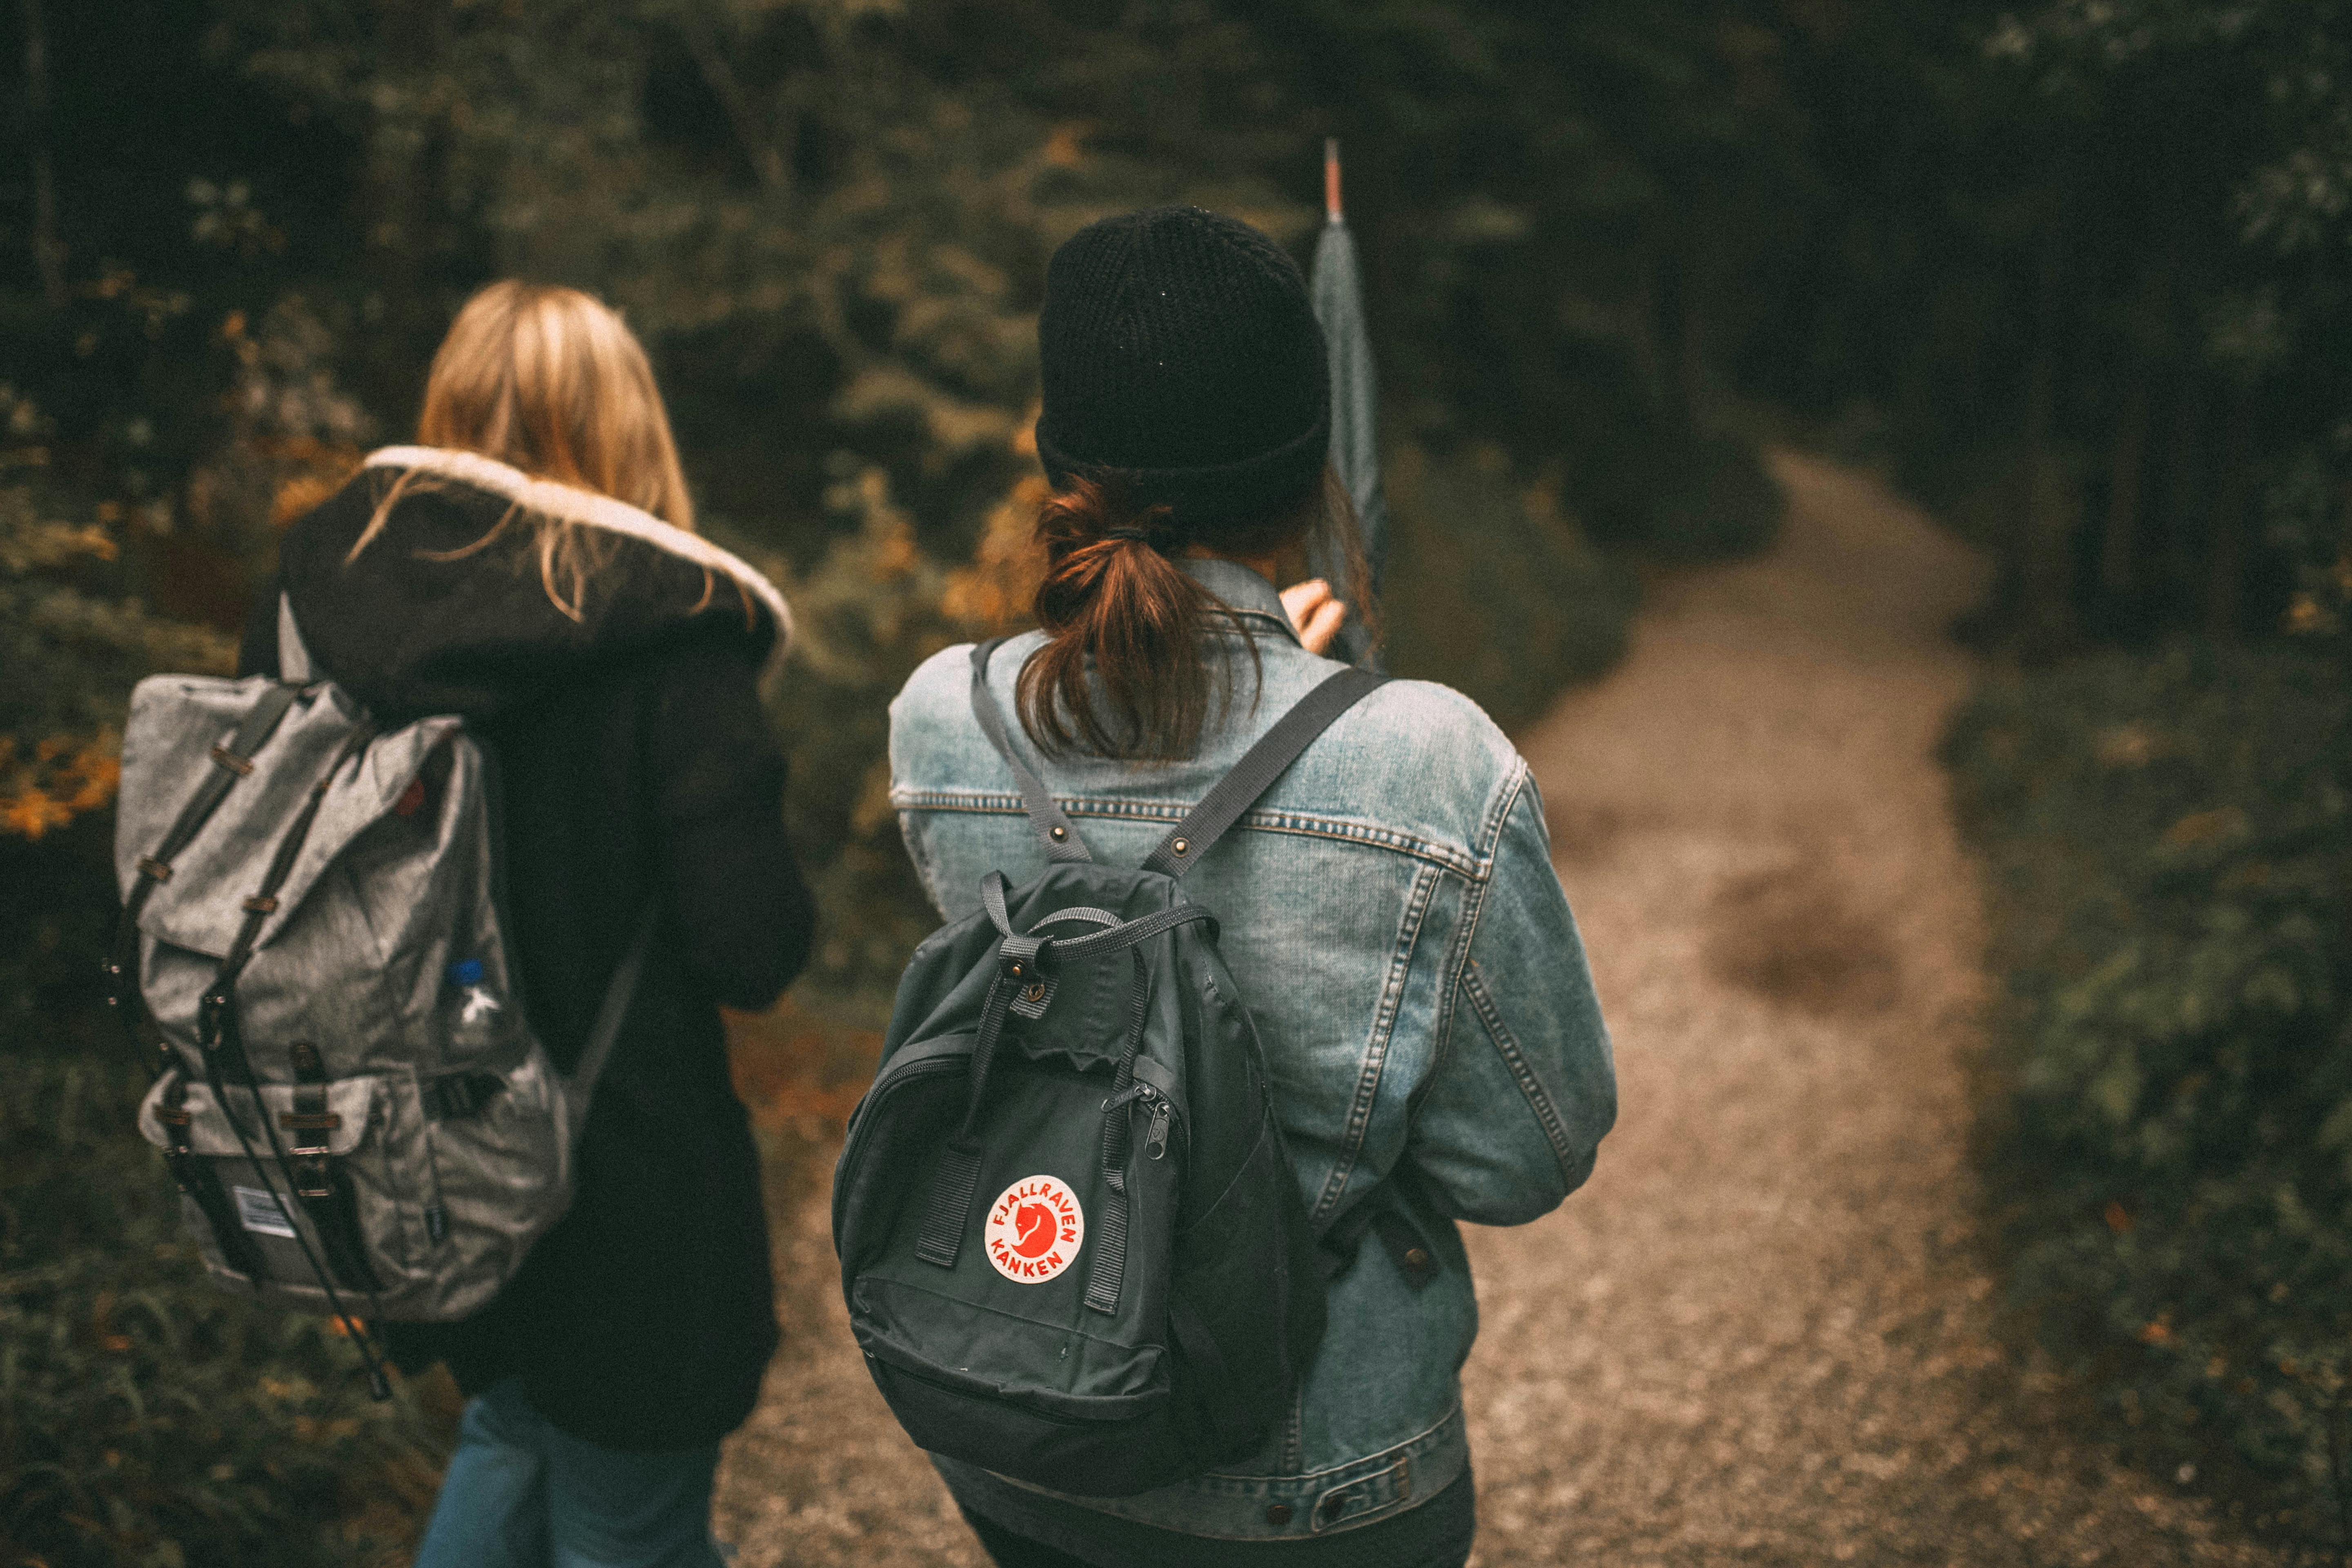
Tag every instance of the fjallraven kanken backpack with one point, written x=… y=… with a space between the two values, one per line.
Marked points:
x=358 y=1115
x=1072 y=1244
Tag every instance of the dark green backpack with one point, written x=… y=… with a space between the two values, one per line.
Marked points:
x=1071 y=1241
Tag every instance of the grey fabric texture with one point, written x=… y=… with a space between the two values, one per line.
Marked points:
x=443 y=1162
x=1337 y=290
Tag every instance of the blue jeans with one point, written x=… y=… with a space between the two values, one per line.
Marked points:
x=521 y=1494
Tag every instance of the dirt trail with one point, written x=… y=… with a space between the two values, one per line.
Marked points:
x=1761 y=1333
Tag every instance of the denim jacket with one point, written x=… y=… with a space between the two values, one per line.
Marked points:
x=1392 y=916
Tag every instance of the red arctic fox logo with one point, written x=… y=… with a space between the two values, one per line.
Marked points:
x=1038 y=1228
x=1035 y=1229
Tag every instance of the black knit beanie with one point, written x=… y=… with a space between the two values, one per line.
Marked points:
x=1184 y=363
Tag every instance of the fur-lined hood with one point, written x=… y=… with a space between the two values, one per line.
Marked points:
x=409 y=629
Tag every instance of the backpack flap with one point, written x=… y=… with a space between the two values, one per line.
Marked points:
x=180 y=737
x=177 y=733
x=350 y=1101
x=253 y=1215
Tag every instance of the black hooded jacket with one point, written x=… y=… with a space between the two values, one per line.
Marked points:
x=634 y=768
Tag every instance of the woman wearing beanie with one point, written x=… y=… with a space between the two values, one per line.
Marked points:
x=1389 y=911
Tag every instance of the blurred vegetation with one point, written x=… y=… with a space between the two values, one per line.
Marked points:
x=2079 y=281
x=1460 y=527
x=147 y=1419
x=2169 y=842
x=2130 y=384
x=2072 y=272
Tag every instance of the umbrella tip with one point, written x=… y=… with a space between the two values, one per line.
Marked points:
x=1331 y=179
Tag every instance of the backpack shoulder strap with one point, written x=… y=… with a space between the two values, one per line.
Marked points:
x=1060 y=839
x=293 y=658
x=619 y=992
x=1259 y=767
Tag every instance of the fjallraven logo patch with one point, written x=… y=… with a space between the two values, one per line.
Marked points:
x=1035 y=1229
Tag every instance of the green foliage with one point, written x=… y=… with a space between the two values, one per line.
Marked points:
x=2068 y=266
x=147 y=1416
x=866 y=616
x=70 y=645
x=1470 y=548
x=832 y=217
x=1716 y=501
x=831 y=220
x=2170 y=860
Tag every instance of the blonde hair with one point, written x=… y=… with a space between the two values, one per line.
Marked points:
x=549 y=381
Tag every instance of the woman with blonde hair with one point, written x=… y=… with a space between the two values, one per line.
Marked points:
x=530 y=564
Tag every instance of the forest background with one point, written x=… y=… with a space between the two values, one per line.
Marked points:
x=2074 y=275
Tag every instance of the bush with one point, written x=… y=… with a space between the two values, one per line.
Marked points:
x=2168 y=852
x=147 y=1416
x=1701 y=497
x=1491 y=588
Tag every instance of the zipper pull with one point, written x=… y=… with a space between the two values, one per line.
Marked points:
x=1155 y=1142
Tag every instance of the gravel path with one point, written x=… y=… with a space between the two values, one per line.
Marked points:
x=1762 y=1334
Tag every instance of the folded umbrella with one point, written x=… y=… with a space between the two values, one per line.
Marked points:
x=1337 y=287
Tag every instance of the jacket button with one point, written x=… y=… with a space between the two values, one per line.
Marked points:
x=1415 y=1258
x=1277 y=1513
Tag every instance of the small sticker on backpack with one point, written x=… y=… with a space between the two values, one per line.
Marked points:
x=1035 y=1229
x=258 y=1211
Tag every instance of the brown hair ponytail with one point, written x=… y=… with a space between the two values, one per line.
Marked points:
x=1121 y=673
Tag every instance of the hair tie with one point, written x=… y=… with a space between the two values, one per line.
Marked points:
x=1127 y=535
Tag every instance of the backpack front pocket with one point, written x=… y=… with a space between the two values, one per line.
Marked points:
x=297 y=1203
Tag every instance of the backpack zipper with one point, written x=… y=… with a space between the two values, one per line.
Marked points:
x=1163 y=1115
x=1155 y=1138
x=901 y=1071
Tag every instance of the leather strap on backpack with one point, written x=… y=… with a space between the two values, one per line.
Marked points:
x=319 y=1179
x=1060 y=839
x=232 y=760
x=1262 y=764
x=202 y=1183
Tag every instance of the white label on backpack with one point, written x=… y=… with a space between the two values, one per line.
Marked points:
x=1035 y=1229
x=257 y=1210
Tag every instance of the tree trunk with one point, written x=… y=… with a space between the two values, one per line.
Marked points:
x=2119 y=543
x=2046 y=549
x=1690 y=340
x=49 y=251
x=2184 y=493
x=1653 y=311
x=2233 y=524
x=770 y=163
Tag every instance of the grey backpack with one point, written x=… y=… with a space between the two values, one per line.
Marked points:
x=1072 y=1244
x=359 y=1118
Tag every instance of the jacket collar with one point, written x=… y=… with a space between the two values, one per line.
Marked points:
x=1247 y=594
x=547 y=499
